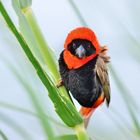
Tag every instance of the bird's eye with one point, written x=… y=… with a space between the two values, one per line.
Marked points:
x=88 y=45
x=74 y=45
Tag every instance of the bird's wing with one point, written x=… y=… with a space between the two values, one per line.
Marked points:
x=102 y=73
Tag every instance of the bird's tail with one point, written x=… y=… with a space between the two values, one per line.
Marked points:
x=86 y=113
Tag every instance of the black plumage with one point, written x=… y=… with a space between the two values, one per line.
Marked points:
x=83 y=83
x=89 y=81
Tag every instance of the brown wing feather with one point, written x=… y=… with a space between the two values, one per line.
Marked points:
x=102 y=73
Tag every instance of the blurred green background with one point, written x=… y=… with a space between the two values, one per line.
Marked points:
x=117 y=25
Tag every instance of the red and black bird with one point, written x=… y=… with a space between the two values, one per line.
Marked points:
x=82 y=66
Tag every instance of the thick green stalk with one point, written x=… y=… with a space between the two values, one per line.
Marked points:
x=63 y=105
x=81 y=132
x=44 y=48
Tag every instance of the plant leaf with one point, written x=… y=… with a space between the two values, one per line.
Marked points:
x=63 y=105
x=34 y=37
x=26 y=31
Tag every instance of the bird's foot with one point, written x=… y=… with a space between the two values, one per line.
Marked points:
x=59 y=83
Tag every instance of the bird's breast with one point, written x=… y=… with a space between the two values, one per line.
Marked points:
x=84 y=86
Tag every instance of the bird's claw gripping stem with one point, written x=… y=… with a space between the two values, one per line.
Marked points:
x=59 y=83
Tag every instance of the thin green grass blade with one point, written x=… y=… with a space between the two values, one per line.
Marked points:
x=45 y=50
x=32 y=95
x=127 y=100
x=78 y=13
x=64 y=107
x=22 y=110
x=123 y=89
x=117 y=121
x=125 y=94
x=84 y=23
x=29 y=112
x=133 y=51
x=43 y=46
x=3 y=136
x=28 y=25
x=25 y=29
x=15 y=126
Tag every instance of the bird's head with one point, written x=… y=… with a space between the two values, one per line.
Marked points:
x=81 y=46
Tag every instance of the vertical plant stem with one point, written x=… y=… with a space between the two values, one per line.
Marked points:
x=78 y=13
x=81 y=132
x=63 y=105
x=67 y=112
x=44 y=48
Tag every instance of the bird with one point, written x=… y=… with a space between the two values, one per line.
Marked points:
x=83 y=70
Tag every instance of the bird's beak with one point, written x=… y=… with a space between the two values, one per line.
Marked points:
x=80 y=52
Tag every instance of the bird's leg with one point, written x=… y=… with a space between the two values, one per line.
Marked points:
x=59 y=83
